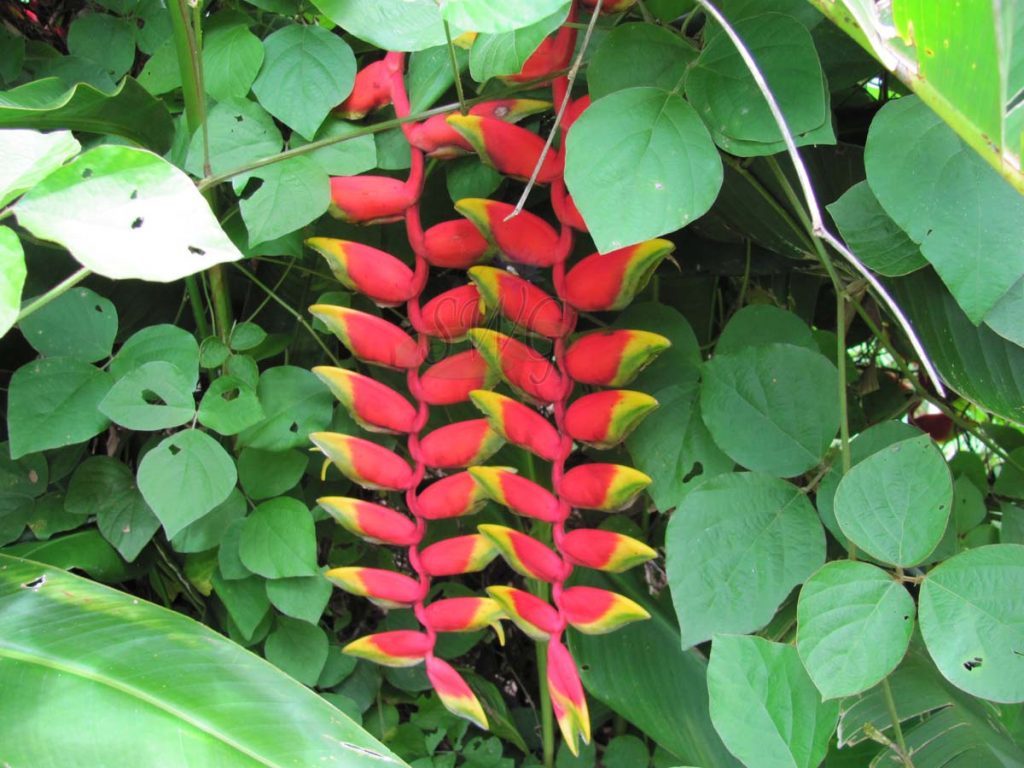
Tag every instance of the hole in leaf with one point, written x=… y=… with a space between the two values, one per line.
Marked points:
x=695 y=471
x=196 y=250
x=137 y=223
x=175 y=450
x=98 y=308
x=87 y=173
x=231 y=394
x=134 y=195
x=971 y=664
x=294 y=428
x=239 y=118
x=35 y=583
x=152 y=398
x=252 y=186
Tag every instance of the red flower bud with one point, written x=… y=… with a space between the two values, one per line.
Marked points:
x=609 y=281
x=522 y=496
x=461 y=444
x=456 y=244
x=451 y=314
x=567 y=698
x=573 y=111
x=567 y=213
x=368 y=464
x=519 y=424
x=385 y=588
x=371 y=91
x=462 y=554
x=525 y=554
x=511 y=150
x=551 y=56
x=463 y=614
x=372 y=522
x=374 y=406
x=376 y=274
x=520 y=301
x=605 y=550
x=525 y=238
x=612 y=358
x=605 y=419
x=399 y=648
x=457 y=495
x=437 y=138
x=370 y=338
x=451 y=380
x=597 y=611
x=526 y=371
x=457 y=697
x=370 y=199
x=605 y=487
x=531 y=614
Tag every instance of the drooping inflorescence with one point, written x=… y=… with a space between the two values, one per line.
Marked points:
x=572 y=397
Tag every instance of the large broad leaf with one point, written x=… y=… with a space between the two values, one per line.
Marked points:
x=12 y=277
x=394 y=25
x=641 y=672
x=80 y=324
x=895 y=504
x=972 y=619
x=853 y=627
x=772 y=408
x=130 y=111
x=154 y=396
x=633 y=55
x=238 y=131
x=28 y=157
x=757 y=325
x=294 y=193
x=278 y=541
x=125 y=213
x=295 y=403
x=764 y=705
x=497 y=15
x=505 y=53
x=140 y=681
x=736 y=547
x=640 y=163
x=975 y=361
x=966 y=218
x=232 y=56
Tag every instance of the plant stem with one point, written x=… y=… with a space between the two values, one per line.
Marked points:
x=890 y=704
x=58 y=290
x=195 y=299
x=456 y=72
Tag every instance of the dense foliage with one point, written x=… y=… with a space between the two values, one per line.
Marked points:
x=761 y=418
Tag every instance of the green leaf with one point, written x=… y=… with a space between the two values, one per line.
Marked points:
x=26 y=478
x=12 y=54
x=297 y=648
x=933 y=185
x=208 y=531
x=106 y=488
x=658 y=172
x=232 y=56
x=254 y=715
x=346 y=158
x=48 y=517
x=238 y=131
x=626 y=751
x=968 y=505
x=468 y=177
x=895 y=504
x=736 y=546
x=85 y=551
x=153 y=224
x=155 y=28
x=154 y=396
x=724 y=93
x=394 y=25
x=1007 y=317
x=246 y=336
x=497 y=15
x=301 y=597
x=79 y=324
x=54 y=402
x=296 y=403
x=213 y=352
x=185 y=477
x=229 y=406
x=872 y=235
x=642 y=673
x=972 y=619
x=505 y=53
x=12 y=278
x=228 y=562
x=278 y=540
x=636 y=55
x=270 y=473
x=28 y=157
x=430 y=74
x=771 y=408
x=161 y=73
x=246 y=602
x=295 y=192
x=105 y=39
x=764 y=705
x=758 y=325
x=128 y=111
x=167 y=343
x=307 y=71
x=854 y=624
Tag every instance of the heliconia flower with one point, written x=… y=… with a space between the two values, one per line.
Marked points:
x=375 y=274
x=463 y=614
x=605 y=550
x=605 y=419
x=371 y=91
x=598 y=611
x=611 y=6
x=509 y=149
x=522 y=496
x=455 y=694
x=612 y=358
x=437 y=138
x=370 y=338
x=460 y=554
x=398 y=648
x=450 y=314
x=372 y=522
x=452 y=496
x=450 y=381
x=387 y=589
x=573 y=111
x=374 y=406
x=370 y=465
x=456 y=244
x=605 y=487
x=609 y=281
x=551 y=56
x=461 y=444
x=519 y=424
x=525 y=238
x=370 y=199
x=525 y=370
x=567 y=213
x=524 y=553
x=534 y=616
x=520 y=301
x=567 y=697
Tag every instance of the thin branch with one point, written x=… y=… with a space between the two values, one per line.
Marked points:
x=456 y=72
x=814 y=209
x=570 y=78
x=57 y=291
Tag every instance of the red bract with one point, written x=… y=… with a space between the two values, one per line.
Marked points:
x=456 y=244
x=370 y=338
x=551 y=56
x=451 y=380
x=522 y=496
x=400 y=648
x=524 y=238
x=567 y=699
x=509 y=149
x=598 y=611
x=607 y=281
x=453 y=496
x=525 y=554
x=386 y=588
x=378 y=275
x=461 y=444
x=463 y=614
x=605 y=550
x=462 y=554
x=518 y=424
x=531 y=614
x=524 y=369
x=368 y=464
x=370 y=199
x=451 y=314
x=520 y=301
x=605 y=419
x=371 y=522
x=374 y=406
x=612 y=358
x=605 y=487
x=371 y=91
